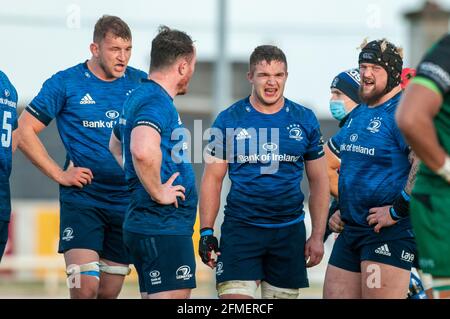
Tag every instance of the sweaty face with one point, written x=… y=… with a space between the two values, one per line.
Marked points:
x=113 y=55
x=184 y=82
x=373 y=82
x=268 y=80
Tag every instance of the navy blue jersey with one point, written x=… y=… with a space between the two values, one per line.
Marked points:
x=152 y=106
x=374 y=162
x=266 y=154
x=8 y=122
x=86 y=109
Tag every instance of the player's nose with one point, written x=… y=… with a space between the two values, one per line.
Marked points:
x=122 y=56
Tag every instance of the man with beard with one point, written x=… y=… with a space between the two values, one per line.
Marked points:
x=159 y=222
x=373 y=255
x=86 y=101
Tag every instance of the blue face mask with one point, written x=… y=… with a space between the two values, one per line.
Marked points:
x=337 y=109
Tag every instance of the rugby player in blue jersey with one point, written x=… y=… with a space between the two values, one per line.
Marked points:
x=152 y=145
x=86 y=101
x=374 y=253
x=265 y=142
x=8 y=126
x=344 y=98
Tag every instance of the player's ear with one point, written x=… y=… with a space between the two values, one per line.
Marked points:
x=182 y=67
x=94 y=49
x=250 y=76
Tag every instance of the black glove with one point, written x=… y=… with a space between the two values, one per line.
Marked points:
x=208 y=243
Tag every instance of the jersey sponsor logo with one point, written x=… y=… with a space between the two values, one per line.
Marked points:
x=270 y=157
x=435 y=72
x=357 y=149
x=295 y=132
x=87 y=99
x=219 y=269
x=7 y=94
x=353 y=137
x=99 y=124
x=406 y=256
x=155 y=277
x=184 y=273
x=383 y=250
x=112 y=114
x=374 y=125
x=8 y=102
x=270 y=147
x=243 y=134
x=67 y=234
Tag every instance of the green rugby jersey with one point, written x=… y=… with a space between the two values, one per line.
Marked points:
x=434 y=73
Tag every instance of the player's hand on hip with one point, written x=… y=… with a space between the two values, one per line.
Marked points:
x=313 y=251
x=75 y=176
x=380 y=217
x=208 y=243
x=335 y=222
x=168 y=194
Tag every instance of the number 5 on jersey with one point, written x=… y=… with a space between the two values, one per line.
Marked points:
x=6 y=137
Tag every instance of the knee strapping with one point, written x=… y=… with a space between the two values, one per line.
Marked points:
x=114 y=270
x=89 y=269
x=238 y=287
x=271 y=292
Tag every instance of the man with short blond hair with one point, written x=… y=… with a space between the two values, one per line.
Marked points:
x=374 y=253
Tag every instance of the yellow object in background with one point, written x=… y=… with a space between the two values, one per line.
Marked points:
x=47 y=238
x=47 y=233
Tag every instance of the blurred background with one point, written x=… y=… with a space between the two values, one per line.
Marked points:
x=320 y=39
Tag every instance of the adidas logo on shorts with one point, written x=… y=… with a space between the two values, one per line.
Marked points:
x=242 y=135
x=87 y=99
x=383 y=250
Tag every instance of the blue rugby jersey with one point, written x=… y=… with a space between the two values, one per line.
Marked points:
x=8 y=123
x=374 y=163
x=86 y=110
x=266 y=154
x=152 y=106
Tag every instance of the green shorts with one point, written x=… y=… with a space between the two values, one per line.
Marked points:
x=430 y=217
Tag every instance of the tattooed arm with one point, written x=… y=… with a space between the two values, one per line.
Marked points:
x=414 y=160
